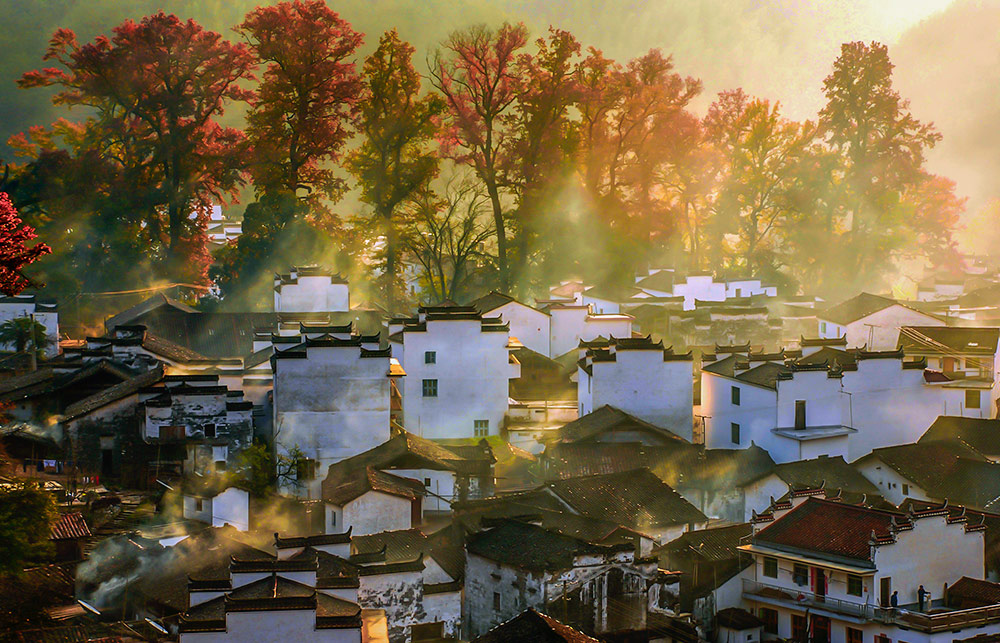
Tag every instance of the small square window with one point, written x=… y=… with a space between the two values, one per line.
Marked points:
x=734 y=433
x=906 y=489
x=430 y=357
x=854 y=585
x=430 y=388
x=209 y=430
x=800 y=575
x=822 y=327
x=771 y=567
x=735 y=396
x=481 y=428
x=496 y=601
x=855 y=635
x=199 y=504
x=972 y=400
x=427 y=482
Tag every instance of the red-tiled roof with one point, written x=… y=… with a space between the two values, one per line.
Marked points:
x=825 y=527
x=968 y=592
x=70 y=526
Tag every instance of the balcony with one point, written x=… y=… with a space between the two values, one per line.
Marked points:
x=938 y=618
x=804 y=600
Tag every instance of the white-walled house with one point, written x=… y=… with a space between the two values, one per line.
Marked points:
x=600 y=588
x=639 y=377
x=43 y=311
x=828 y=570
x=331 y=396
x=572 y=323
x=967 y=357
x=311 y=289
x=372 y=502
x=826 y=476
x=530 y=325
x=934 y=471
x=871 y=321
x=448 y=474
x=274 y=600
x=217 y=505
x=458 y=368
x=834 y=403
x=701 y=286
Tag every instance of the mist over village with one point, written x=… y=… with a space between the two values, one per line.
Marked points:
x=487 y=321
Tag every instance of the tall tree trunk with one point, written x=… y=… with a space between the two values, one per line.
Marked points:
x=391 y=250
x=498 y=222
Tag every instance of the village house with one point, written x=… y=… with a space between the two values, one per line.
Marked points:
x=516 y=565
x=414 y=579
x=967 y=357
x=531 y=326
x=703 y=287
x=447 y=474
x=332 y=396
x=736 y=624
x=458 y=368
x=372 y=501
x=979 y=434
x=69 y=534
x=708 y=322
x=202 y=426
x=710 y=562
x=828 y=402
x=831 y=474
x=216 y=501
x=310 y=289
x=574 y=322
x=642 y=378
x=936 y=471
x=41 y=310
x=841 y=573
x=224 y=335
x=532 y=625
x=634 y=501
x=273 y=609
x=871 y=321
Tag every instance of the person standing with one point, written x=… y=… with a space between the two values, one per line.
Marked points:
x=894 y=600
x=921 y=595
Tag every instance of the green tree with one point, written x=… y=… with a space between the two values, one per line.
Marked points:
x=395 y=158
x=757 y=197
x=26 y=515
x=24 y=332
x=881 y=148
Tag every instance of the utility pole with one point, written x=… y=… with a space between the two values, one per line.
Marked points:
x=34 y=344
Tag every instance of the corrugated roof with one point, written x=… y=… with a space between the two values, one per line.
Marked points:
x=70 y=527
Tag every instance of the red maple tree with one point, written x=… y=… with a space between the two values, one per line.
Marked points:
x=156 y=88
x=307 y=100
x=14 y=253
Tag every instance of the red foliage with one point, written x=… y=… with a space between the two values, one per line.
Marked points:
x=14 y=254
x=307 y=100
x=157 y=87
